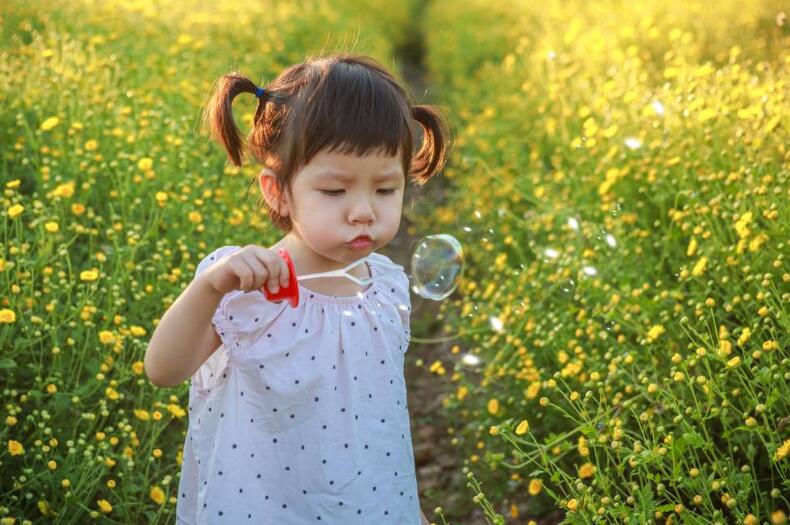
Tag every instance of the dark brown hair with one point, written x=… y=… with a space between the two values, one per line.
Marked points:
x=346 y=103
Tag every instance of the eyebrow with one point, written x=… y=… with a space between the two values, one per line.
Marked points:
x=330 y=175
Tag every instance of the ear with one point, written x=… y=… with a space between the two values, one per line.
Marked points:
x=270 y=191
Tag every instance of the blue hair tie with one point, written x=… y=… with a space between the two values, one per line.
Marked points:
x=259 y=92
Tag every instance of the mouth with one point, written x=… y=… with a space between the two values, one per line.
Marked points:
x=361 y=238
x=361 y=241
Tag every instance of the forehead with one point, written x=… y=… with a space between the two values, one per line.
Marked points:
x=332 y=164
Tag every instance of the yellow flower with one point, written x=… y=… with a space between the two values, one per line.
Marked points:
x=157 y=494
x=725 y=348
x=692 y=249
x=533 y=389
x=493 y=406
x=161 y=197
x=679 y=377
x=655 y=332
x=7 y=316
x=763 y=311
x=741 y=225
x=106 y=337
x=582 y=446
x=51 y=226
x=142 y=414
x=138 y=367
x=462 y=392
x=783 y=451
x=494 y=430
x=778 y=517
x=65 y=190
x=89 y=275
x=15 y=211
x=111 y=393
x=699 y=268
x=91 y=145
x=195 y=216
x=735 y=361
x=744 y=336
x=50 y=123
x=535 y=487
x=586 y=470
x=522 y=427
x=43 y=507
x=145 y=164
x=176 y=410
x=573 y=504
x=770 y=345
x=52 y=388
x=104 y=506
x=15 y=448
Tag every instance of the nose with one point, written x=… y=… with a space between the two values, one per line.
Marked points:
x=361 y=212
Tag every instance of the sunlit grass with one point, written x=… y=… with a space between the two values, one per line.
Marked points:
x=621 y=179
x=110 y=197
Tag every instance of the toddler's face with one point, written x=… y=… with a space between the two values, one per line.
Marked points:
x=337 y=197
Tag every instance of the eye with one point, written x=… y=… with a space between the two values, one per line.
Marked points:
x=389 y=191
x=331 y=192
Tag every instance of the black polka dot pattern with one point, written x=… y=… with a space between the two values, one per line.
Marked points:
x=301 y=415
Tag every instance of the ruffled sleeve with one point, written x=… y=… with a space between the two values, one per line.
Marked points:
x=396 y=287
x=238 y=320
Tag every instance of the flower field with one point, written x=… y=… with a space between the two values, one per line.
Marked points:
x=617 y=349
x=620 y=183
x=110 y=198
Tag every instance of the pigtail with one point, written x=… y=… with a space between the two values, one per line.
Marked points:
x=218 y=115
x=432 y=156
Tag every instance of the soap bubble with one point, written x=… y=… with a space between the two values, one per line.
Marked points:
x=436 y=263
x=470 y=224
x=463 y=358
x=604 y=237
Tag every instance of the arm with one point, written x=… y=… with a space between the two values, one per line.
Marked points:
x=184 y=337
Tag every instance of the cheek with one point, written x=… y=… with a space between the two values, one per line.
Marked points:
x=392 y=215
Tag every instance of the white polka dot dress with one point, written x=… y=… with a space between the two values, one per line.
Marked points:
x=300 y=416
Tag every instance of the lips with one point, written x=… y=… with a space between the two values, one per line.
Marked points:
x=361 y=238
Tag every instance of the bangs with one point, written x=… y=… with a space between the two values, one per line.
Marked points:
x=352 y=111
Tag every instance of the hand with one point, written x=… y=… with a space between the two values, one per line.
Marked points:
x=247 y=269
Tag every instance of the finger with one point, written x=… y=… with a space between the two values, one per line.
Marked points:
x=269 y=260
x=243 y=272
x=274 y=274
x=260 y=269
x=274 y=263
x=285 y=272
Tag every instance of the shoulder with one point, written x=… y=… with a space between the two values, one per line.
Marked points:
x=394 y=286
x=392 y=277
x=239 y=315
x=213 y=257
x=387 y=269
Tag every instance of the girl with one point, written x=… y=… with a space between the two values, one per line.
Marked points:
x=298 y=414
